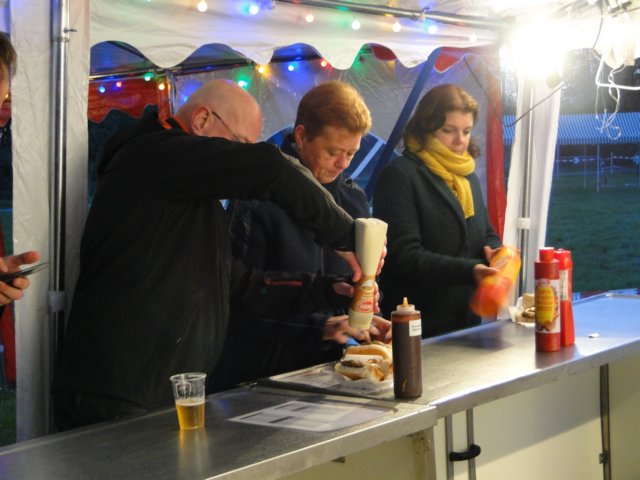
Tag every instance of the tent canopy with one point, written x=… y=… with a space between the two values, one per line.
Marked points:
x=168 y=32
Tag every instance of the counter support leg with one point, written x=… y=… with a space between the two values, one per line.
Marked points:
x=424 y=454
x=448 y=433
x=471 y=441
x=605 y=456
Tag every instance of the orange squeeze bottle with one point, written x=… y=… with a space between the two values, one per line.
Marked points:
x=493 y=290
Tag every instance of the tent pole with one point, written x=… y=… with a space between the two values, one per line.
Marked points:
x=524 y=222
x=60 y=41
x=403 y=118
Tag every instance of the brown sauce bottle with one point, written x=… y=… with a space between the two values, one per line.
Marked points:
x=406 y=331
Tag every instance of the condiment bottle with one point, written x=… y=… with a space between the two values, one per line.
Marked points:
x=493 y=290
x=547 y=281
x=406 y=330
x=565 y=265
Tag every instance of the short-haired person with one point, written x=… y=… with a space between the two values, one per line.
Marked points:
x=11 y=291
x=157 y=276
x=331 y=120
x=440 y=237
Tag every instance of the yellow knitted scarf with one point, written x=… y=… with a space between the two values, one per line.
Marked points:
x=449 y=166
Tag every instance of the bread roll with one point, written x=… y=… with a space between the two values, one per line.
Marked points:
x=373 y=348
x=371 y=371
x=367 y=361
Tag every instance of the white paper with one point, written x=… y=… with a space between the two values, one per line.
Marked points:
x=314 y=417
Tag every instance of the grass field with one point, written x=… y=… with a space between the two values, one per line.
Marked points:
x=600 y=228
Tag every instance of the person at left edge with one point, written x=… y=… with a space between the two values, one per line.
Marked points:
x=156 y=277
x=14 y=290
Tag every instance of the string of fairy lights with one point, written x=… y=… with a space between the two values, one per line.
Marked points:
x=256 y=7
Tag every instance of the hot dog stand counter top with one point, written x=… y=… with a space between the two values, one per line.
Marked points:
x=152 y=447
x=469 y=367
x=520 y=405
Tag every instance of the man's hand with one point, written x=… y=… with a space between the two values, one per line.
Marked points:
x=348 y=290
x=338 y=329
x=352 y=260
x=13 y=291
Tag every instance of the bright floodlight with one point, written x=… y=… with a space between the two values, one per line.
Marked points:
x=202 y=6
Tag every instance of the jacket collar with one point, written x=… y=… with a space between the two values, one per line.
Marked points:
x=440 y=187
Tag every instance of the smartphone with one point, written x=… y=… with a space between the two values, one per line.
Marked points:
x=10 y=276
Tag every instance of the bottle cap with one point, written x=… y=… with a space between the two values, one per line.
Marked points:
x=547 y=254
x=405 y=306
x=564 y=257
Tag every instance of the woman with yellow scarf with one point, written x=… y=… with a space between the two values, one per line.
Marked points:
x=440 y=240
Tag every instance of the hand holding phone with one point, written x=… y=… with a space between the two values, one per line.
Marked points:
x=10 y=276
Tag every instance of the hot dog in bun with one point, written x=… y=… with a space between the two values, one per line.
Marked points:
x=367 y=361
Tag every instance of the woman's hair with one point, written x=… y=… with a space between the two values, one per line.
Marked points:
x=432 y=110
x=333 y=103
x=8 y=58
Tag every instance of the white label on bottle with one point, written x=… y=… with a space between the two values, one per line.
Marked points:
x=564 y=285
x=415 y=328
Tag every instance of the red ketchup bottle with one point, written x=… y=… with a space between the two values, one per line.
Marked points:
x=567 y=333
x=547 y=281
x=406 y=331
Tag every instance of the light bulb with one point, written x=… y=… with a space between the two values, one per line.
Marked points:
x=396 y=27
x=202 y=6
x=309 y=18
x=161 y=86
x=355 y=24
x=433 y=29
x=254 y=9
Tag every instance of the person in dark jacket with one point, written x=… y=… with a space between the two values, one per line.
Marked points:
x=157 y=276
x=440 y=238
x=331 y=120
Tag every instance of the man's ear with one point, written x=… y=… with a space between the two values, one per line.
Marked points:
x=299 y=135
x=199 y=120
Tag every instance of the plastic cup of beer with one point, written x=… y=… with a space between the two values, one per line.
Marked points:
x=188 y=392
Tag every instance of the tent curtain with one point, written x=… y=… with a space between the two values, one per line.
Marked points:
x=539 y=150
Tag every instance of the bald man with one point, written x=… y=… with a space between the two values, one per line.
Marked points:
x=156 y=277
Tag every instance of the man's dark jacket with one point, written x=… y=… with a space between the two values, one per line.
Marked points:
x=431 y=248
x=152 y=298
x=266 y=237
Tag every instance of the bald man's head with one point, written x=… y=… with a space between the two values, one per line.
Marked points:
x=220 y=108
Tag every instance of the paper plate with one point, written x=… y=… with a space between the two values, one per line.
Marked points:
x=366 y=384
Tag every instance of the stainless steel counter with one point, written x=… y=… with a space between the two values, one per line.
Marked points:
x=152 y=447
x=460 y=370
x=475 y=366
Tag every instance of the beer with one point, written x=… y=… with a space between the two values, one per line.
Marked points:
x=190 y=413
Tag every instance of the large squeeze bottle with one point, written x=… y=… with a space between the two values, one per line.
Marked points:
x=565 y=265
x=492 y=292
x=370 y=236
x=406 y=331
x=547 y=281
